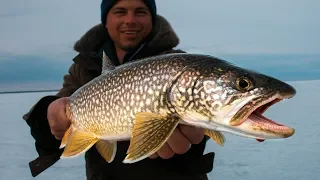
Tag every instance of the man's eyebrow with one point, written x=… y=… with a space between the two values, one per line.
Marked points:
x=141 y=8
x=119 y=8
x=124 y=9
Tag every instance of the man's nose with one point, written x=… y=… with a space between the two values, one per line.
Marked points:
x=130 y=18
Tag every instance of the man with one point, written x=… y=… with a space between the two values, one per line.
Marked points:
x=130 y=29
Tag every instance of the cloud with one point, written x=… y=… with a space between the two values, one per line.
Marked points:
x=247 y=26
x=51 y=26
x=12 y=14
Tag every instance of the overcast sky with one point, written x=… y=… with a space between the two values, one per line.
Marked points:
x=37 y=27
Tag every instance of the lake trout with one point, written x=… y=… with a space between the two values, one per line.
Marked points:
x=144 y=101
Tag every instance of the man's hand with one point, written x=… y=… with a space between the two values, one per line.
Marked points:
x=180 y=141
x=57 y=117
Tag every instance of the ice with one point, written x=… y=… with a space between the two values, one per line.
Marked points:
x=295 y=158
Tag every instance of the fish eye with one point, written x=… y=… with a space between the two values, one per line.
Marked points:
x=243 y=83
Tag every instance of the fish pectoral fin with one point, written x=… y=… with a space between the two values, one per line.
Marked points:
x=66 y=137
x=107 y=149
x=79 y=142
x=216 y=136
x=149 y=134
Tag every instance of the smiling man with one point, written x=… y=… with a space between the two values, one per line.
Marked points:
x=129 y=30
x=128 y=23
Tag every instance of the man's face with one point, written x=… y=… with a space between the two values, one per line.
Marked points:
x=128 y=23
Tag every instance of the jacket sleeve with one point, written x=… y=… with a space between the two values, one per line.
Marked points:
x=46 y=145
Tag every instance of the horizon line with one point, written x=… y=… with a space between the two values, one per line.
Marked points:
x=55 y=90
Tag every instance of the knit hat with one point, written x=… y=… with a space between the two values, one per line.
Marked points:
x=106 y=5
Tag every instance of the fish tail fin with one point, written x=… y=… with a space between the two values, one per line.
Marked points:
x=79 y=142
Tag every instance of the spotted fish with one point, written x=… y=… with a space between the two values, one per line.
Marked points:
x=143 y=101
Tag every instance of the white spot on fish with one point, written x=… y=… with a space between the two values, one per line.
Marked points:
x=202 y=95
x=157 y=93
x=141 y=104
x=191 y=105
x=216 y=96
x=147 y=79
x=150 y=91
x=224 y=95
x=182 y=89
x=148 y=101
x=156 y=104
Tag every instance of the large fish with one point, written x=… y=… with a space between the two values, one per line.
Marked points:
x=144 y=101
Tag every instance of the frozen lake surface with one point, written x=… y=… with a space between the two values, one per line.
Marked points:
x=295 y=158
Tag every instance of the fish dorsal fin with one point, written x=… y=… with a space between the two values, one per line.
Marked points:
x=106 y=63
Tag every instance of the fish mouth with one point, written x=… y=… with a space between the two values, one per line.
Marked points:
x=252 y=115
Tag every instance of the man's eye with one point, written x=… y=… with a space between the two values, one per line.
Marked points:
x=119 y=12
x=141 y=12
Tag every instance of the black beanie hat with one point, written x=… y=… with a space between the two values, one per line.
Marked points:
x=106 y=5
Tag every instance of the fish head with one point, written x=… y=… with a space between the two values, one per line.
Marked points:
x=228 y=98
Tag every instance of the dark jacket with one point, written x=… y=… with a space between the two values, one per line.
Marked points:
x=86 y=66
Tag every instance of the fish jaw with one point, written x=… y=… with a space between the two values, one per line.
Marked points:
x=261 y=128
x=254 y=125
x=259 y=104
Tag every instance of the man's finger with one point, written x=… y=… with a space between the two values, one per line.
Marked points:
x=58 y=134
x=193 y=134
x=58 y=137
x=178 y=142
x=165 y=152
x=154 y=156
